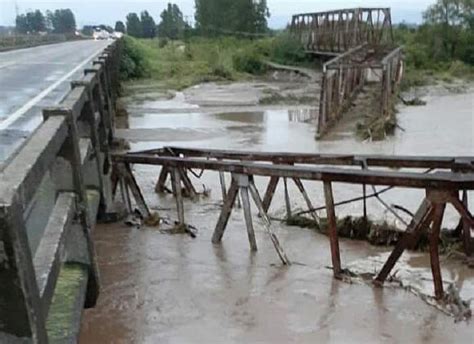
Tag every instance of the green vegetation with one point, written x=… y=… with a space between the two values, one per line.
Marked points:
x=120 y=26
x=61 y=21
x=176 y=64
x=64 y=308
x=441 y=49
x=32 y=22
x=172 y=25
x=133 y=64
x=217 y=17
x=25 y=41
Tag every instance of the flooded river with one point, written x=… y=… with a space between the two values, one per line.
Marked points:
x=162 y=288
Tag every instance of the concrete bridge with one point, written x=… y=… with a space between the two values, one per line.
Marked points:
x=58 y=110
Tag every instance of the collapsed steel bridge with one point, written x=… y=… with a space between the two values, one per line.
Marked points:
x=447 y=181
x=361 y=45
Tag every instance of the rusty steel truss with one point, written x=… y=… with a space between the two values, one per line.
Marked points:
x=336 y=32
x=443 y=182
x=346 y=75
x=361 y=42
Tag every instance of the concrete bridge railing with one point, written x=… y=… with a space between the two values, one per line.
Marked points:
x=50 y=196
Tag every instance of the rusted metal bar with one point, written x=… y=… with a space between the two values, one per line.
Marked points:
x=267 y=223
x=422 y=219
x=462 y=210
x=160 y=185
x=226 y=211
x=223 y=186
x=466 y=227
x=287 y=199
x=136 y=191
x=267 y=200
x=437 y=180
x=244 y=194
x=176 y=181
x=458 y=164
x=300 y=186
x=188 y=185
x=332 y=223
x=434 y=250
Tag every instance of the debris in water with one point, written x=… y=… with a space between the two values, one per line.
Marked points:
x=153 y=220
x=416 y=101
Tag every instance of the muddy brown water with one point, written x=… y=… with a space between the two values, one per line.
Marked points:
x=161 y=288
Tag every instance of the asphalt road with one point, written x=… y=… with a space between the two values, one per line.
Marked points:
x=31 y=79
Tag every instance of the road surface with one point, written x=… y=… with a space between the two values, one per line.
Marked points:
x=31 y=79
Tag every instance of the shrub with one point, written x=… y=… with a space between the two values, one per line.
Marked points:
x=133 y=63
x=287 y=50
x=248 y=61
x=163 y=42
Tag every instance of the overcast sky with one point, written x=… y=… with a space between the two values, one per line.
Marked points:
x=108 y=11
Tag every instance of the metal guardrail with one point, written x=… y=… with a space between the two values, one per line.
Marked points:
x=50 y=195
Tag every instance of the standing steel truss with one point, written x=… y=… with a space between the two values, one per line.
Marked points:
x=338 y=31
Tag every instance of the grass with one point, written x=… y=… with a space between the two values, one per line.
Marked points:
x=446 y=73
x=177 y=65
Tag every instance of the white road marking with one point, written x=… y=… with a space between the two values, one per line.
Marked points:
x=10 y=119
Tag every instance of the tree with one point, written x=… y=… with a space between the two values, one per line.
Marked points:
x=88 y=30
x=120 y=27
x=31 y=22
x=172 y=23
x=231 y=16
x=134 y=25
x=148 y=25
x=62 y=21
x=449 y=21
x=22 y=25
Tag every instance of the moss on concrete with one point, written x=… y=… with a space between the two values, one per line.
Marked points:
x=67 y=303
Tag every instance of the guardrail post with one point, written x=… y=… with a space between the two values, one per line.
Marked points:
x=21 y=314
x=73 y=155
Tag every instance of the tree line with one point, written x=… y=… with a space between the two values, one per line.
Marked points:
x=60 y=21
x=213 y=17
x=172 y=24
x=446 y=35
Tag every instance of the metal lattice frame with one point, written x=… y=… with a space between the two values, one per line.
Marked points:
x=338 y=31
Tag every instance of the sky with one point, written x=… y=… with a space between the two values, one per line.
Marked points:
x=89 y=12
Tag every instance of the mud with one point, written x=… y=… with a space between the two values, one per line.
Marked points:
x=162 y=288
